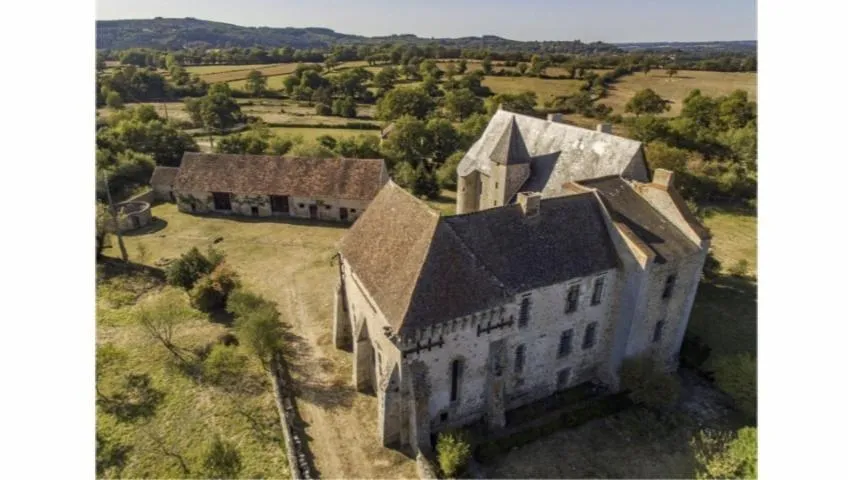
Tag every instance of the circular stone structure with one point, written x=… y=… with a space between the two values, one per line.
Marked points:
x=133 y=215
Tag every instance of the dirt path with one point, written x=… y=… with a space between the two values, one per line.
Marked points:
x=340 y=423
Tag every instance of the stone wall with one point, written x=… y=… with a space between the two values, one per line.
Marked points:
x=328 y=209
x=297 y=450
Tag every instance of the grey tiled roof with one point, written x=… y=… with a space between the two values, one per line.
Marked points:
x=510 y=149
x=572 y=153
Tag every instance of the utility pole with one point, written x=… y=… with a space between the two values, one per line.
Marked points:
x=115 y=220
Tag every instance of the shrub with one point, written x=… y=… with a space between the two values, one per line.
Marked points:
x=185 y=271
x=712 y=266
x=726 y=455
x=221 y=459
x=223 y=365
x=257 y=325
x=737 y=376
x=453 y=452
x=323 y=109
x=114 y=100
x=741 y=268
x=647 y=384
x=211 y=291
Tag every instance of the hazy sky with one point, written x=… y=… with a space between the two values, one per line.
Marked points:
x=587 y=20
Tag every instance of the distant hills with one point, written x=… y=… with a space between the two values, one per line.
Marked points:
x=179 y=33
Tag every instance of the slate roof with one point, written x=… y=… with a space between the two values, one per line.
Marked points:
x=422 y=268
x=510 y=148
x=164 y=176
x=571 y=153
x=649 y=226
x=349 y=178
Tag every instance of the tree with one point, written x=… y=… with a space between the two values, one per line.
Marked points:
x=323 y=109
x=737 y=376
x=344 y=107
x=424 y=183
x=726 y=455
x=462 y=103
x=362 y=146
x=487 y=65
x=522 y=67
x=442 y=139
x=647 y=384
x=141 y=130
x=453 y=452
x=256 y=83
x=671 y=71
x=160 y=318
x=462 y=66
x=523 y=103
x=404 y=101
x=446 y=174
x=257 y=326
x=218 y=110
x=647 y=128
x=408 y=142
x=191 y=266
x=221 y=459
x=114 y=100
x=646 y=101
x=384 y=80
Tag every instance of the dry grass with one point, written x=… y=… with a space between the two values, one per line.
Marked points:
x=290 y=262
x=675 y=89
x=735 y=237
x=545 y=89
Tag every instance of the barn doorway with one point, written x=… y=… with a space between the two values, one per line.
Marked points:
x=312 y=211
x=344 y=214
x=279 y=204
x=221 y=201
x=255 y=211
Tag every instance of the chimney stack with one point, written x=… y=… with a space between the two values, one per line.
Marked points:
x=663 y=178
x=555 y=117
x=603 y=128
x=529 y=202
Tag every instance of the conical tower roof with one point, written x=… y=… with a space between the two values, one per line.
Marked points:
x=510 y=149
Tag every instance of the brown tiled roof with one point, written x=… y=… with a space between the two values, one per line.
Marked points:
x=164 y=176
x=350 y=178
x=629 y=208
x=421 y=268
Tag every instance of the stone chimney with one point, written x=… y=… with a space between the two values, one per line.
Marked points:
x=529 y=202
x=555 y=117
x=604 y=128
x=664 y=178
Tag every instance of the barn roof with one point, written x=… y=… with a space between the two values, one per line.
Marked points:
x=567 y=153
x=349 y=178
x=164 y=176
x=421 y=268
x=629 y=208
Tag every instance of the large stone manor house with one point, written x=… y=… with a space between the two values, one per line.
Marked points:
x=566 y=257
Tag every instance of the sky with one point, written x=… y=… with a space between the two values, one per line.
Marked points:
x=587 y=20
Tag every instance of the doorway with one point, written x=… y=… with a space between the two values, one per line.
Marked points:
x=255 y=211
x=221 y=201
x=279 y=204
x=312 y=211
x=344 y=214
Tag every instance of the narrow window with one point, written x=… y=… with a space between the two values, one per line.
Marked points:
x=563 y=377
x=597 y=289
x=572 y=298
x=455 y=374
x=565 y=343
x=589 y=335
x=524 y=314
x=658 y=331
x=519 y=359
x=670 y=284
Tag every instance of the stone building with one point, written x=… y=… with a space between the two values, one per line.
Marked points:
x=337 y=189
x=162 y=183
x=520 y=153
x=460 y=318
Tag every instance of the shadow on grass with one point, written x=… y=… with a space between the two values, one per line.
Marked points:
x=302 y=364
x=155 y=226
x=724 y=315
x=222 y=317
x=306 y=222
x=137 y=400
x=113 y=267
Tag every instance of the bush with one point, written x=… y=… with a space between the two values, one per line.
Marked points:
x=257 y=326
x=647 y=384
x=223 y=365
x=712 y=266
x=741 y=268
x=323 y=109
x=453 y=451
x=185 y=271
x=211 y=292
x=737 y=376
x=725 y=455
x=221 y=459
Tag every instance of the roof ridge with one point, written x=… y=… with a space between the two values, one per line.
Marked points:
x=409 y=295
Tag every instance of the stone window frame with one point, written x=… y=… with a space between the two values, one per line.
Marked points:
x=669 y=286
x=573 y=301
x=657 y=334
x=524 y=311
x=566 y=337
x=456 y=387
x=520 y=358
x=589 y=335
x=598 y=285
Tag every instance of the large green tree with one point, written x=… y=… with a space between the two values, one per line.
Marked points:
x=646 y=102
x=404 y=101
x=256 y=83
x=462 y=103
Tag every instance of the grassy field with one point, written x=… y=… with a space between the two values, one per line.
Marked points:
x=676 y=88
x=545 y=89
x=187 y=413
x=289 y=262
